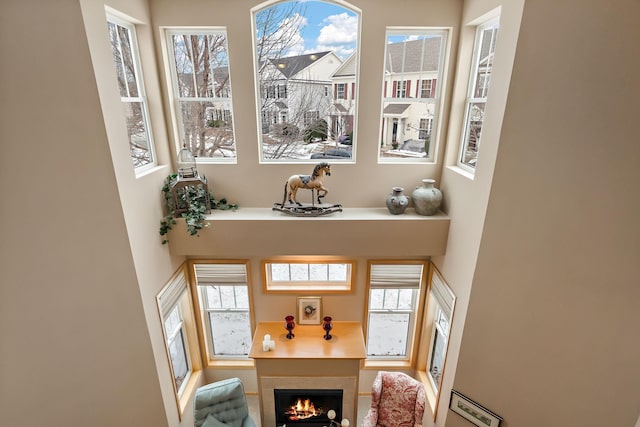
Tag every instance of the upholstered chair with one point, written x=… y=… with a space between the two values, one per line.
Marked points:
x=397 y=400
x=222 y=404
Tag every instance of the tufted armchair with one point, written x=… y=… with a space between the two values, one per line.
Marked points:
x=397 y=400
x=222 y=404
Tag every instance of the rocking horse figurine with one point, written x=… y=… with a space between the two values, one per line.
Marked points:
x=312 y=182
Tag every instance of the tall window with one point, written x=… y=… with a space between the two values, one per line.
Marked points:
x=413 y=64
x=176 y=314
x=441 y=303
x=126 y=59
x=395 y=291
x=199 y=64
x=297 y=52
x=437 y=328
x=223 y=296
x=482 y=64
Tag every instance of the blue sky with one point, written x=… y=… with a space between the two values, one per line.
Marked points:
x=326 y=26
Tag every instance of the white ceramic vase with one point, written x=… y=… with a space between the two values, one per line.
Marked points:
x=427 y=199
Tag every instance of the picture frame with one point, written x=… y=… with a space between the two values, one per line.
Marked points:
x=309 y=310
x=473 y=411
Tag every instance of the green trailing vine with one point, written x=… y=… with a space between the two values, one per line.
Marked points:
x=193 y=203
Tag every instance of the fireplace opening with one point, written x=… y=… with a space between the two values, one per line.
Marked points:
x=306 y=407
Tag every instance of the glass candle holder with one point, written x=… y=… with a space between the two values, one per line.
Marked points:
x=289 y=325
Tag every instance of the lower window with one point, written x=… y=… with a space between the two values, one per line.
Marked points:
x=223 y=297
x=178 y=326
x=437 y=327
x=395 y=291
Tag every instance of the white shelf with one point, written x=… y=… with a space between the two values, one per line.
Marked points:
x=352 y=232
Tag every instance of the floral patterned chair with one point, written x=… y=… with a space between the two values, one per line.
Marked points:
x=397 y=400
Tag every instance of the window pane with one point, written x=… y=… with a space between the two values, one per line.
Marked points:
x=172 y=322
x=307 y=276
x=204 y=132
x=387 y=334
x=483 y=57
x=280 y=272
x=138 y=134
x=125 y=58
x=437 y=357
x=413 y=70
x=202 y=88
x=231 y=333
x=376 y=300
x=301 y=118
x=300 y=272
x=318 y=272
x=179 y=359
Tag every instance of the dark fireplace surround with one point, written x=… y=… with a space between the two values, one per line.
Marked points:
x=306 y=407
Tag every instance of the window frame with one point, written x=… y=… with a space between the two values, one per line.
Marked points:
x=205 y=334
x=296 y=286
x=115 y=18
x=176 y=99
x=471 y=99
x=307 y=88
x=176 y=294
x=394 y=124
x=415 y=328
x=440 y=298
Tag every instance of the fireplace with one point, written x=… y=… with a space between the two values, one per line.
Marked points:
x=306 y=407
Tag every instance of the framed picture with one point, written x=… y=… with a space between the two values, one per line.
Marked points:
x=309 y=310
x=472 y=411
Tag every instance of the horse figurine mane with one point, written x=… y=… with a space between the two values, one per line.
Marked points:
x=312 y=182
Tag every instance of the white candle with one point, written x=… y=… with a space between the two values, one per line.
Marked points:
x=345 y=422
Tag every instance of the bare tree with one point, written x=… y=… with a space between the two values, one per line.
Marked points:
x=139 y=143
x=202 y=75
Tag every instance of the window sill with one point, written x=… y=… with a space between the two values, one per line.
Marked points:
x=184 y=401
x=232 y=364
x=432 y=398
x=386 y=364
x=463 y=172
x=349 y=232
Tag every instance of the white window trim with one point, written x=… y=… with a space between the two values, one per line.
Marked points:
x=115 y=17
x=176 y=294
x=473 y=72
x=436 y=98
x=204 y=323
x=174 y=96
x=441 y=297
x=281 y=286
x=416 y=314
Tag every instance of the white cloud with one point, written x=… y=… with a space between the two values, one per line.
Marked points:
x=338 y=30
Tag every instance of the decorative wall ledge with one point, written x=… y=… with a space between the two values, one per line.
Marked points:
x=352 y=232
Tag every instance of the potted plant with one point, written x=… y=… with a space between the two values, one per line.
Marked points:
x=191 y=200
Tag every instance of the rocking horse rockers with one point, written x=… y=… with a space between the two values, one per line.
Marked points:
x=312 y=182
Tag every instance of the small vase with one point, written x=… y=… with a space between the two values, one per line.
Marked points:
x=289 y=325
x=427 y=199
x=397 y=202
x=327 y=326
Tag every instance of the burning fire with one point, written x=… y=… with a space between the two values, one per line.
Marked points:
x=302 y=410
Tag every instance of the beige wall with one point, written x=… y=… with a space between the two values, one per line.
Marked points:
x=543 y=339
x=140 y=196
x=75 y=345
x=551 y=331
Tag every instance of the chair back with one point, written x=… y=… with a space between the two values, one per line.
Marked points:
x=401 y=400
x=221 y=403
